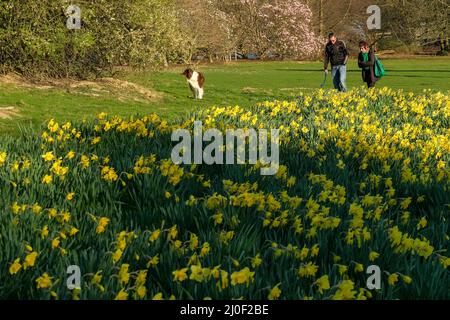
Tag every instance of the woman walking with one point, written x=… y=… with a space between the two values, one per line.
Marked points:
x=366 y=61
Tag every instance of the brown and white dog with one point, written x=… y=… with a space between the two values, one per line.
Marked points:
x=196 y=82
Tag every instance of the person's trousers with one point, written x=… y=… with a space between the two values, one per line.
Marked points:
x=369 y=79
x=339 y=74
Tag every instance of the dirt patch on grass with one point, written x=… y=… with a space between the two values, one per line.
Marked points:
x=19 y=81
x=249 y=90
x=118 y=86
x=7 y=112
x=254 y=91
x=121 y=89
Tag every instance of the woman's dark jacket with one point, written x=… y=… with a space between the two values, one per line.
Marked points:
x=368 y=75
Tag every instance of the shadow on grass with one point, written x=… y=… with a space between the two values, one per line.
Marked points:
x=310 y=70
x=356 y=70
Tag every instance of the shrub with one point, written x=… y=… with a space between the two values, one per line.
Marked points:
x=134 y=32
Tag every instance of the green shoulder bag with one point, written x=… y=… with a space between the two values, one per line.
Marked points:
x=379 y=68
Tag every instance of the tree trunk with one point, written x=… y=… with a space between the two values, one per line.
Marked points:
x=321 y=22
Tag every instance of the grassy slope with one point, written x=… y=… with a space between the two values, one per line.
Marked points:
x=236 y=83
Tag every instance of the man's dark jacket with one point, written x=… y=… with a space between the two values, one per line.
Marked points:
x=336 y=54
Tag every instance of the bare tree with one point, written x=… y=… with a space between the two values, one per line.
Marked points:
x=417 y=22
x=207 y=29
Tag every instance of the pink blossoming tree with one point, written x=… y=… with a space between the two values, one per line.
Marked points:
x=283 y=28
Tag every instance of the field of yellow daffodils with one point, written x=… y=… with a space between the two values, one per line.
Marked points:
x=363 y=181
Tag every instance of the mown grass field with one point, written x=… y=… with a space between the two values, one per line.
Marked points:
x=236 y=83
x=364 y=180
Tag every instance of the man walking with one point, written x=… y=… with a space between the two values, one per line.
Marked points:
x=336 y=53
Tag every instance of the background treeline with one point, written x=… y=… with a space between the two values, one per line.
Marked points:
x=407 y=26
x=34 y=39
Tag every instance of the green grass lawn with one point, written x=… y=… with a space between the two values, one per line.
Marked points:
x=231 y=84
